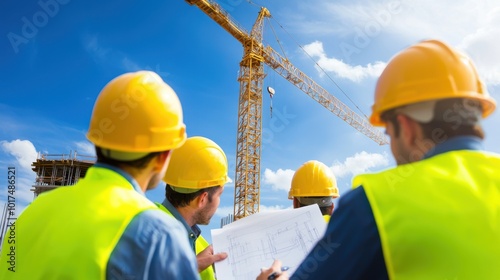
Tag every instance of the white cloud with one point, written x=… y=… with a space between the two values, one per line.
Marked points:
x=23 y=194
x=279 y=180
x=422 y=19
x=130 y=65
x=359 y=163
x=320 y=18
x=270 y=208
x=85 y=148
x=25 y=154
x=226 y=210
x=341 y=69
x=473 y=26
x=416 y=19
x=223 y=211
x=482 y=46
x=23 y=150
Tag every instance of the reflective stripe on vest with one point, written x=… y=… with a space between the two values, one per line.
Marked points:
x=439 y=218
x=199 y=245
x=70 y=232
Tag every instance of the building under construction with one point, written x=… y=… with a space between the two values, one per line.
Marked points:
x=55 y=170
x=52 y=171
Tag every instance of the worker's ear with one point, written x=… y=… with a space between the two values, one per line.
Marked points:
x=408 y=130
x=202 y=199
x=296 y=203
x=331 y=209
x=161 y=161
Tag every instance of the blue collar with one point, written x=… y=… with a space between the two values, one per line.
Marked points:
x=455 y=144
x=124 y=174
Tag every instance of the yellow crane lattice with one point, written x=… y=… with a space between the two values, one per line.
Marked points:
x=251 y=78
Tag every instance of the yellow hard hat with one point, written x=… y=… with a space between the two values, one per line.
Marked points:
x=199 y=163
x=137 y=113
x=313 y=178
x=426 y=71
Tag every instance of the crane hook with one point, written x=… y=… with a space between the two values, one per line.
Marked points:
x=271 y=92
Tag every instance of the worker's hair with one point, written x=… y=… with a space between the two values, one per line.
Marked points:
x=325 y=210
x=138 y=163
x=445 y=129
x=178 y=199
x=440 y=128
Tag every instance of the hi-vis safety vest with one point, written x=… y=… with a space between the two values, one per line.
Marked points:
x=70 y=232
x=199 y=245
x=326 y=218
x=439 y=218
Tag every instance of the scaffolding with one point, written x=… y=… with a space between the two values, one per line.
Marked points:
x=57 y=170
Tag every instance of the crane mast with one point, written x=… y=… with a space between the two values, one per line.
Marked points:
x=251 y=78
x=249 y=138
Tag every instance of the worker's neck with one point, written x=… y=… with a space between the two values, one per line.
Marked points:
x=188 y=213
x=142 y=178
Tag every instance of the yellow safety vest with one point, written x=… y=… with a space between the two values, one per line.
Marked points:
x=439 y=218
x=326 y=218
x=70 y=232
x=199 y=245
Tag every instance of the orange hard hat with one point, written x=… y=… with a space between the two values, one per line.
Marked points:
x=429 y=70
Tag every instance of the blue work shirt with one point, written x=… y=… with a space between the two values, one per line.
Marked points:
x=153 y=246
x=351 y=247
x=193 y=232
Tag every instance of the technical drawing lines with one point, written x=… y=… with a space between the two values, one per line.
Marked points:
x=256 y=241
x=285 y=237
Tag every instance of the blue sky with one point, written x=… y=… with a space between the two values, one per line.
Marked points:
x=56 y=55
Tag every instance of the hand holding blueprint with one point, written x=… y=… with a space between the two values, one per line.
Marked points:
x=256 y=241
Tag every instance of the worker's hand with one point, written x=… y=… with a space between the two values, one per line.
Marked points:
x=275 y=268
x=206 y=258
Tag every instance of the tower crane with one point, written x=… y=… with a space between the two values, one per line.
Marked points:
x=251 y=77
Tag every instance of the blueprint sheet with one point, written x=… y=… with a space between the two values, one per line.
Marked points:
x=256 y=241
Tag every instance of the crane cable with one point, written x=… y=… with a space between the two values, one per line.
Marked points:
x=323 y=70
x=272 y=28
x=271 y=92
x=252 y=3
x=308 y=55
x=277 y=39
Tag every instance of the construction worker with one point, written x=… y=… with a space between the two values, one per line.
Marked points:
x=104 y=227
x=435 y=215
x=195 y=180
x=314 y=183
